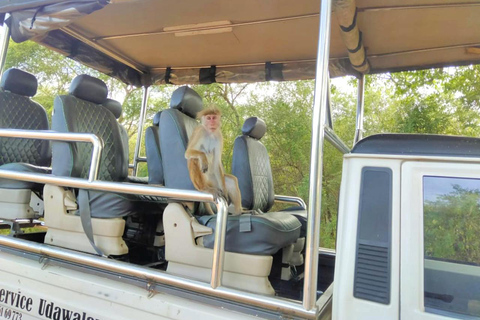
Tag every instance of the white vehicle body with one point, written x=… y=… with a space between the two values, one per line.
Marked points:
x=152 y=42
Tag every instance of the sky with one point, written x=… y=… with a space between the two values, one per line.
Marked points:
x=434 y=187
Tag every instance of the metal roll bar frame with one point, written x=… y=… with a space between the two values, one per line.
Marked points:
x=321 y=130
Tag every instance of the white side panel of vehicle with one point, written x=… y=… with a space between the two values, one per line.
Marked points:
x=412 y=234
x=28 y=291
x=345 y=305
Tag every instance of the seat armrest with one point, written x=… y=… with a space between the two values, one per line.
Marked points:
x=133 y=179
x=290 y=199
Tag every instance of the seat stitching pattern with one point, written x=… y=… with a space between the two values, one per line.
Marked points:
x=20 y=112
x=260 y=169
x=94 y=119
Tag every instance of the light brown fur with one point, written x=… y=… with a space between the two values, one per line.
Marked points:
x=204 y=161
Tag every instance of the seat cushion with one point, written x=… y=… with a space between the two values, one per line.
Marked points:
x=301 y=214
x=111 y=205
x=263 y=234
x=22 y=167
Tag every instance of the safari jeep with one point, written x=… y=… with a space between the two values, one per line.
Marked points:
x=116 y=246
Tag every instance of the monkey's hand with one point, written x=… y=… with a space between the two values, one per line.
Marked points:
x=217 y=193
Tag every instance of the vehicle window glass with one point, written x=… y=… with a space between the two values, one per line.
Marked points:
x=451 y=208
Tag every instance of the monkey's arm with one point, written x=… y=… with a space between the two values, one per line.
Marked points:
x=193 y=147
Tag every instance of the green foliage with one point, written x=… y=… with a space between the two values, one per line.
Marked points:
x=452 y=225
x=443 y=101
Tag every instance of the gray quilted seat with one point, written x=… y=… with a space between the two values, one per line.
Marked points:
x=251 y=166
x=86 y=109
x=249 y=234
x=18 y=111
x=115 y=108
x=152 y=148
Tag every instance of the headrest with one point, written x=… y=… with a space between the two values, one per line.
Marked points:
x=114 y=107
x=19 y=82
x=187 y=101
x=156 y=118
x=254 y=127
x=89 y=88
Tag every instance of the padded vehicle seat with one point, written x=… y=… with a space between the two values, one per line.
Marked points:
x=18 y=111
x=86 y=109
x=250 y=234
x=251 y=166
x=82 y=111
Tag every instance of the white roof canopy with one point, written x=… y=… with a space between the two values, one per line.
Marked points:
x=145 y=41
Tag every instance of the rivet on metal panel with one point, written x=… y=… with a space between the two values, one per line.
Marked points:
x=43 y=260
x=151 y=288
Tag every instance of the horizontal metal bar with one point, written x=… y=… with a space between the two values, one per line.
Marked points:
x=390 y=54
x=239 y=24
x=62 y=136
x=250 y=64
x=274 y=304
x=422 y=6
x=130 y=188
x=115 y=55
x=290 y=199
x=335 y=140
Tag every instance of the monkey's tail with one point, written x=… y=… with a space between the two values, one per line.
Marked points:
x=196 y=174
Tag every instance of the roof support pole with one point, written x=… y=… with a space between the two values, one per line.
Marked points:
x=360 y=107
x=141 y=123
x=4 y=41
x=318 y=135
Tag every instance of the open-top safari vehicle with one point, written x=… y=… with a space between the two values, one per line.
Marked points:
x=89 y=263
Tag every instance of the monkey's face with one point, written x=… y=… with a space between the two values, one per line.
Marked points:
x=211 y=122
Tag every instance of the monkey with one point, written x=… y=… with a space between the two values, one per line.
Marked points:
x=204 y=160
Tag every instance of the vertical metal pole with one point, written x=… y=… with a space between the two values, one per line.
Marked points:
x=360 y=107
x=328 y=117
x=96 y=154
x=318 y=135
x=219 y=244
x=5 y=39
x=141 y=123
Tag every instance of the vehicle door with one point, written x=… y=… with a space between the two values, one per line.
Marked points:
x=440 y=240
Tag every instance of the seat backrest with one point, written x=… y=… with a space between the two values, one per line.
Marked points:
x=82 y=111
x=115 y=107
x=152 y=148
x=176 y=126
x=251 y=166
x=18 y=111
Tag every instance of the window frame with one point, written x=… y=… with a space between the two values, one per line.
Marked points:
x=412 y=234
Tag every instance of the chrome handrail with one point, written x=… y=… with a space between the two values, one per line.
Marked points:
x=219 y=243
x=62 y=136
x=290 y=199
x=93 y=184
x=318 y=137
x=273 y=304
x=141 y=124
x=335 y=141
x=108 y=186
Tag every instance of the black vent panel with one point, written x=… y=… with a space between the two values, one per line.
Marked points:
x=372 y=274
